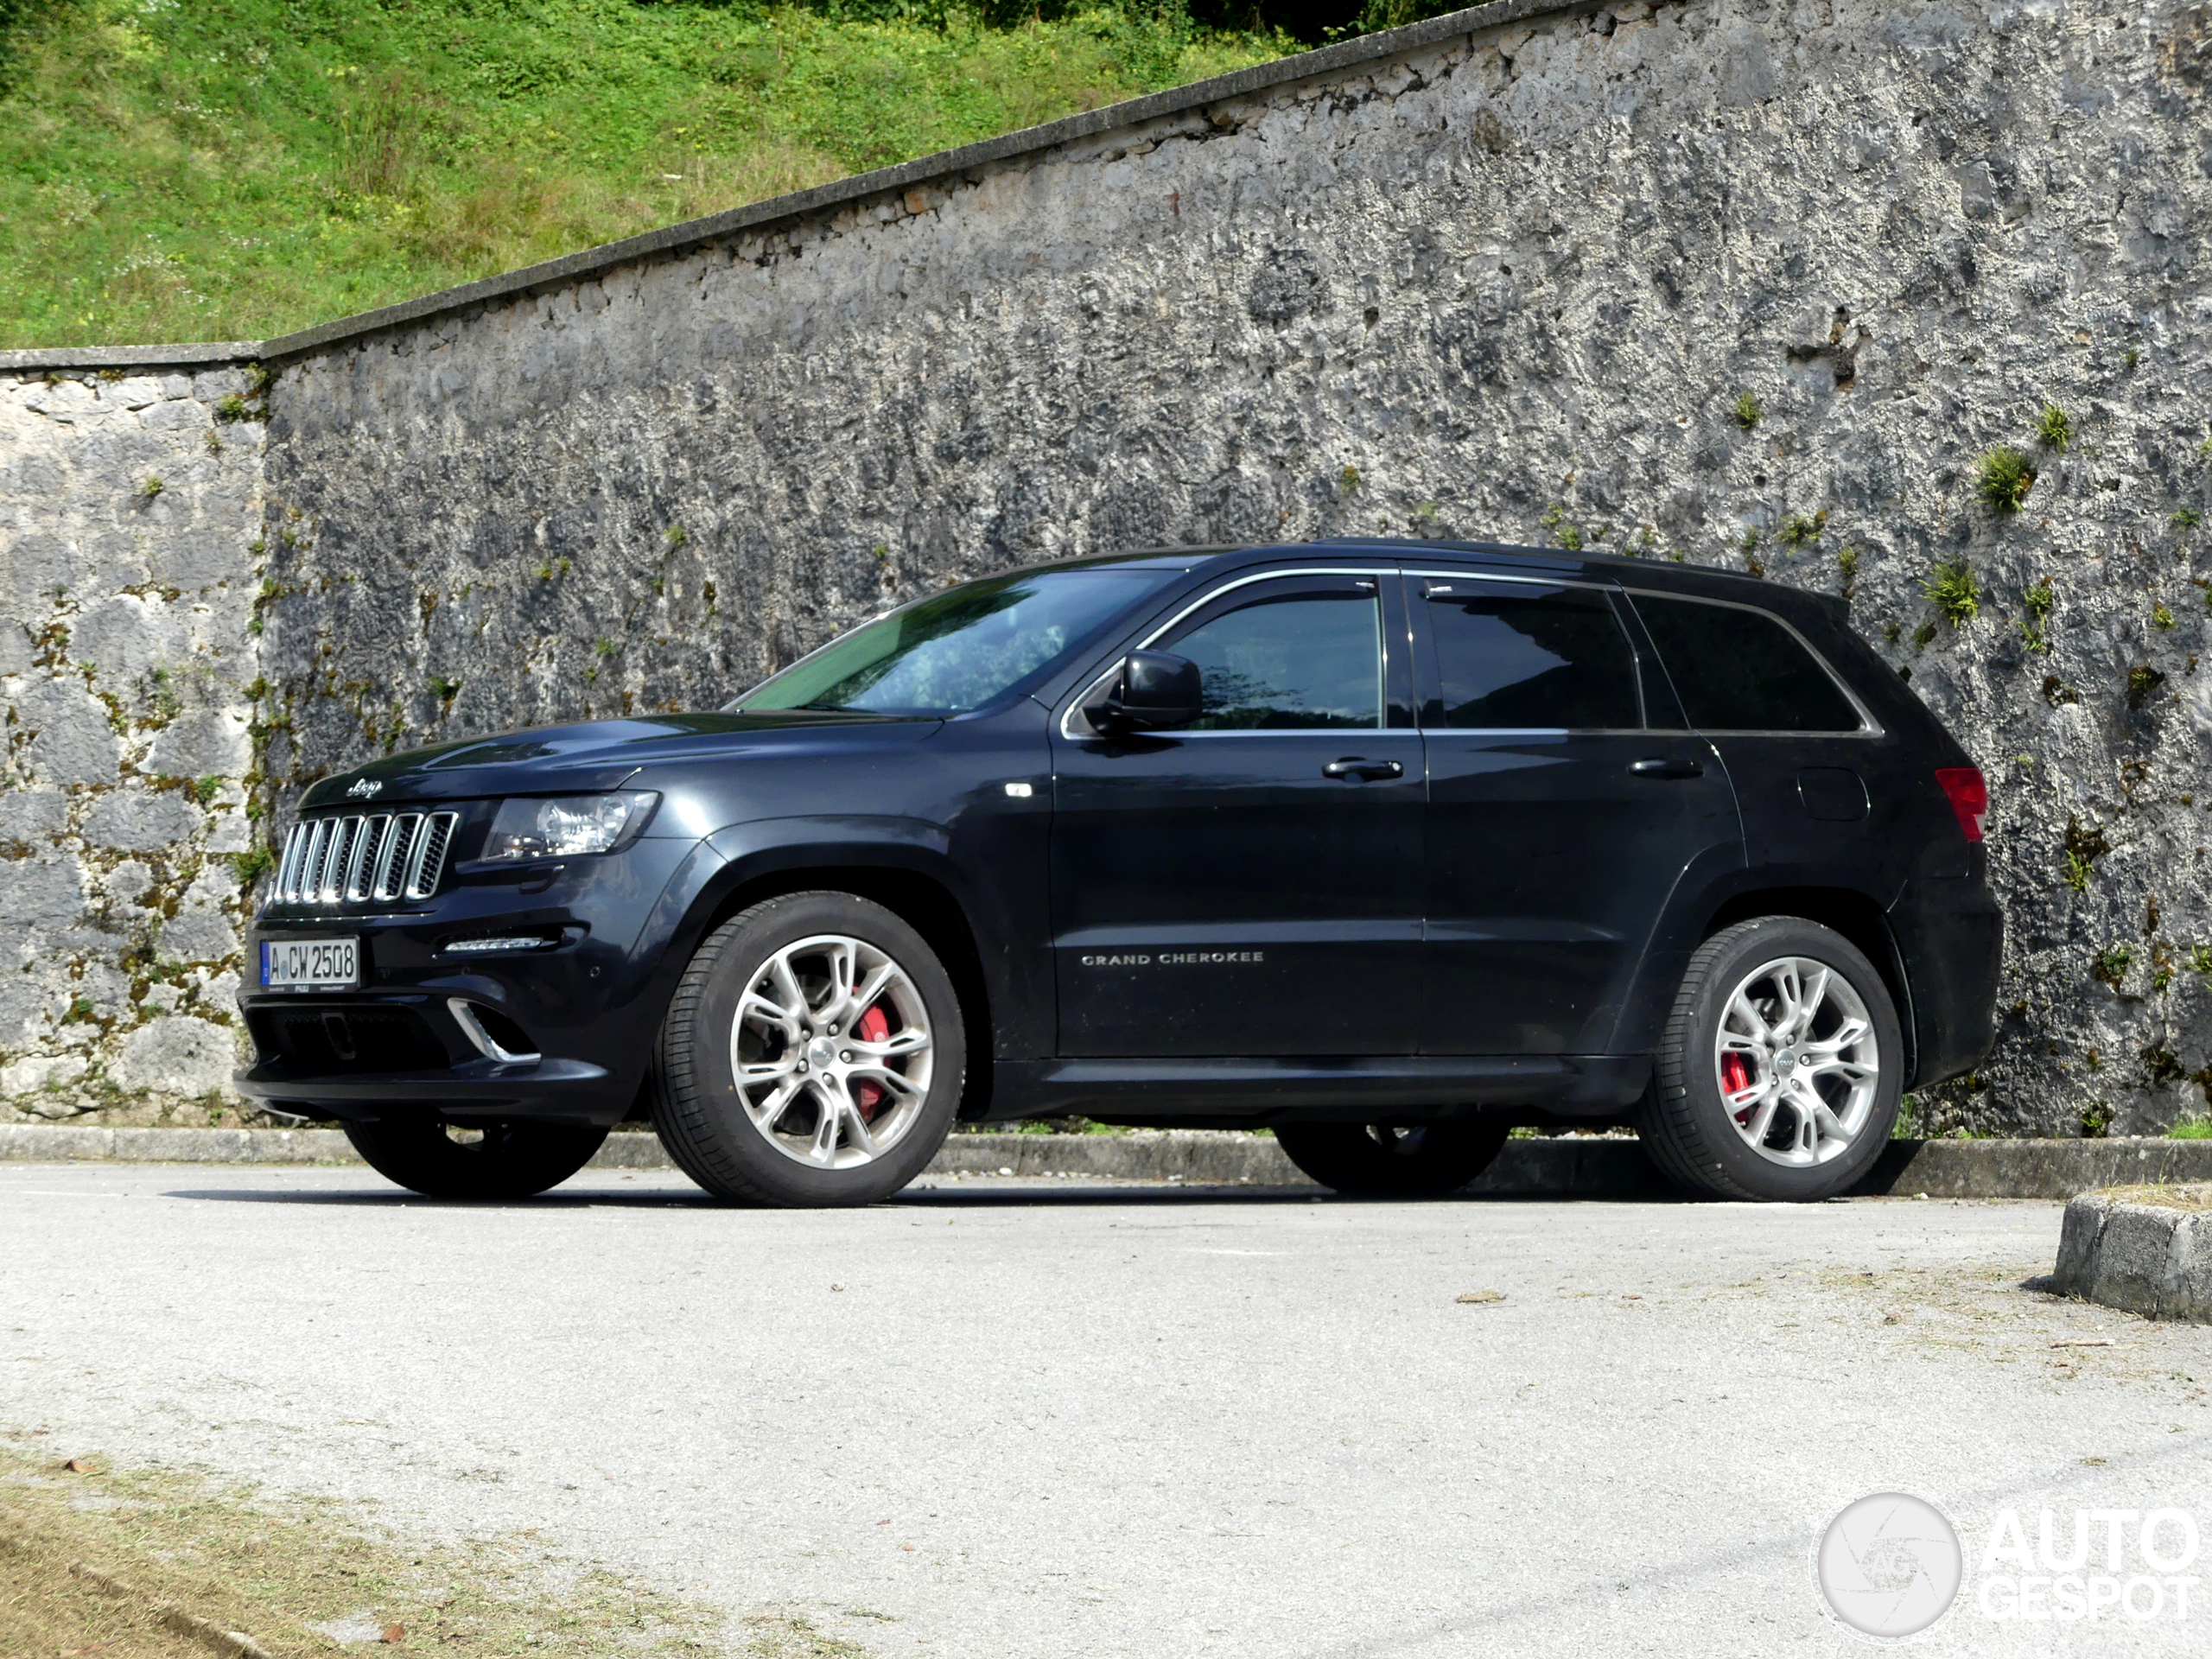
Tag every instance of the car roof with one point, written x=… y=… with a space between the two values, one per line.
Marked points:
x=1652 y=575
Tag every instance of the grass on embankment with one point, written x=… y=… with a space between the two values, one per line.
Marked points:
x=158 y=1565
x=217 y=169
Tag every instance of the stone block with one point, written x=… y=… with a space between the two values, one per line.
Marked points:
x=197 y=933
x=176 y=1055
x=72 y=742
x=126 y=637
x=33 y=815
x=45 y=892
x=30 y=1076
x=141 y=820
x=37 y=566
x=2147 y=1249
x=204 y=742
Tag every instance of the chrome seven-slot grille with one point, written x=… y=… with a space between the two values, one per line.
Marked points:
x=363 y=859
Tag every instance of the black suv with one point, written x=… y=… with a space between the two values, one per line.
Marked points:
x=1388 y=847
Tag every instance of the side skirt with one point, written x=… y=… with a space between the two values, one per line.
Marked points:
x=1252 y=1091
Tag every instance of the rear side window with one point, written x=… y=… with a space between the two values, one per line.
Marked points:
x=1741 y=670
x=1527 y=659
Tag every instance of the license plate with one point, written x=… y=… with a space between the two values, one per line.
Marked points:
x=310 y=964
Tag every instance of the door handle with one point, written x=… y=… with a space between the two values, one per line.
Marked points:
x=1656 y=767
x=1365 y=771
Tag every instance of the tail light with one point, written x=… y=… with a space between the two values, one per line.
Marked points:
x=1969 y=795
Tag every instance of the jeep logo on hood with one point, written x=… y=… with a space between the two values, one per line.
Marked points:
x=364 y=787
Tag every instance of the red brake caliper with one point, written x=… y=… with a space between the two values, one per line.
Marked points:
x=1736 y=1076
x=870 y=1028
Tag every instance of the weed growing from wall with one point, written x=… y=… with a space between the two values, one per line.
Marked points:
x=2038 y=599
x=1956 y=595
x=2053 y=429
x=2003 y=478
x=1798 y=532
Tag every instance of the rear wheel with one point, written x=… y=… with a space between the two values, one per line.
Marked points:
x=473 y=1160
x=1779 y=1073
x=812 y=1055
x=1380 y=1161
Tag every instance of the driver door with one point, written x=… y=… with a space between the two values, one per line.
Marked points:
x=1250 y=885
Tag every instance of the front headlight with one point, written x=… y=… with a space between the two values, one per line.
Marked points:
x=566 y=825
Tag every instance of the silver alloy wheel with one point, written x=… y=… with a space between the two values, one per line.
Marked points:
x=831 y=1051
x=1797 y=1062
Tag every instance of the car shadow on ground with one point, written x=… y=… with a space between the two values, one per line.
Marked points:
x=1029 y=1194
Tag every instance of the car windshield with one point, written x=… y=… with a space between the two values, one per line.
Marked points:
x=956 y=651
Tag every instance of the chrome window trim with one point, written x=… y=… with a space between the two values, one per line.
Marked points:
x=1868 y=726
x=1382 y=644
x=1552 y=731
x=1527 y=581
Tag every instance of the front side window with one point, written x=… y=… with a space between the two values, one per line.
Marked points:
x=1737 y=670
x=1527 y=659
x=957 y=650
x=1304 y=654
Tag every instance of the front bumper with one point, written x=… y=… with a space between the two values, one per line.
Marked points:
x=579 y=1015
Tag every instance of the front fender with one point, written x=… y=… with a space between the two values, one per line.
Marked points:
x=859 y=850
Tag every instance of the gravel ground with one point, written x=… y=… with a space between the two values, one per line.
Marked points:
x=1060 y=1418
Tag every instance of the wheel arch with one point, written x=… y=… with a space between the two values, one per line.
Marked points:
x=1853 y=914
x=901 y=878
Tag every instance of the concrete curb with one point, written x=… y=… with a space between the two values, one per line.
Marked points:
x=1568 y=1167
x=2147 y=1251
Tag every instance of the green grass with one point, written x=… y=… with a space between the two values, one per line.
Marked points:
x=208 y=170
x=2191 y=1128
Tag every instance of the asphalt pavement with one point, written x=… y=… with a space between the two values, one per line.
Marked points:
x=1015 y=1418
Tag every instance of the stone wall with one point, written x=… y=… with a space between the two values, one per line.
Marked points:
x=1742 y=283
x=128 y=511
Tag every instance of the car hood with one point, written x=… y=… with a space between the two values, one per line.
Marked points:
x=575 y=759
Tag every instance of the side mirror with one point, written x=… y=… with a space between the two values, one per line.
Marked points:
x=1156 y=692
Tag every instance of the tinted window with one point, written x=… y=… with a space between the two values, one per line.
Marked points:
x=1287 y=658
x=1532 y=659
x=1739 y=671
x=956 y=651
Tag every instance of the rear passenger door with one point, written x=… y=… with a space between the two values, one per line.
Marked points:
x=1796 y=743
x=1561 y=814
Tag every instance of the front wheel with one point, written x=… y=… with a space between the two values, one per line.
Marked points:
x=1781 y=1067
x=813 y=1055
x=473 y=1160
x=1378 y=1160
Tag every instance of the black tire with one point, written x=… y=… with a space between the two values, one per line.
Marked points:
x=698 y=1110
x=501 y=1159
x=1682 y=1121
x=1376 y=1160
